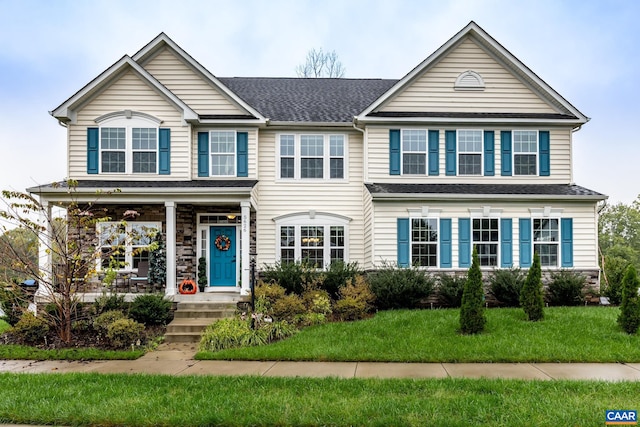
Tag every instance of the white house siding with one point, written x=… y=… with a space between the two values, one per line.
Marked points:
x=369 y=225
x=585 y=251
x=281 y=197
x=378 y=164
x=189 y=85
x=129 y=92
x=252 y=148
x=434 y=90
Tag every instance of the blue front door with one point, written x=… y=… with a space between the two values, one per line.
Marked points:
x=222 y=250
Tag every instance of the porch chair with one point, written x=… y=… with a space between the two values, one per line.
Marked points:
x=142 y=277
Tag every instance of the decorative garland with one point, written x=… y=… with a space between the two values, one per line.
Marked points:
x=187 y=287
x=223 y=243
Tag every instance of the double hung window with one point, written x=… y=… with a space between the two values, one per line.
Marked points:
x=312 y=156
x=316 y=245
x=128 y=146
x=223 y=153
x=469 y=152
x=414 y=152
x=486 y=238
x=424 y=242
x=124 y=245
x=546 y=237
x=525 y=152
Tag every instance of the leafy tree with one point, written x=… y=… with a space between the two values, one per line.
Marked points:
x=321 y=64
x=629 y=318
x=531 y=298
x=472 y=317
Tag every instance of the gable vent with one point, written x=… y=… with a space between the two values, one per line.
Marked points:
x=469 y=80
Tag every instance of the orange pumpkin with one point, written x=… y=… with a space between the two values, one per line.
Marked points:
x=187 y=287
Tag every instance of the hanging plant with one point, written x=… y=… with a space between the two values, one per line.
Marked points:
x=223 y=243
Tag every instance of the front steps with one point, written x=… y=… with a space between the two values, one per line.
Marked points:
x=191 y=318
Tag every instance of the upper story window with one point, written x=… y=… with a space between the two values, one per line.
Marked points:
x=223 y=153
x=311 y=156
x=525 y=152
x=128 y=146
x=470 y=152
x=414 y=152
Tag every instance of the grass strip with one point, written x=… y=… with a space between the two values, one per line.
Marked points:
x=20 y=352
x=94 y=399
x=567 y=334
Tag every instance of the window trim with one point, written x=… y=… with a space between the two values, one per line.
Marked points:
x=326 y=156
x=459 y=152
x=513 y=152
x=425 y=152
x=128 y=244
x=138 y=121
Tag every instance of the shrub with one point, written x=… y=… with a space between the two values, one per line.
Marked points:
x=151 y=310
x=531 y=296
x=292 y=276
x=111 y=302
x=231 y=333
x=613 y=273
x=337 y=276
x=450 y=289
x=506 y=284
x=279 y=330
x=124 y=332
x=270 y=292
x=14 y=302
x=30 y=329
x=317 y=300
x=400 y=287
x=356 y=300
x=347 y=309
x=102 y=322
x=472 y=317
x=288 y=307
x=566 y=288
x=311 y=319
x=629 y=318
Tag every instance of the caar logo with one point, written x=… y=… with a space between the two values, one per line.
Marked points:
x=621 y=418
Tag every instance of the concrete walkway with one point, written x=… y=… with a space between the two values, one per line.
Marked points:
x=178 y=360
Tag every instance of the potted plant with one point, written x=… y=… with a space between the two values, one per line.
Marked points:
x=202 y=273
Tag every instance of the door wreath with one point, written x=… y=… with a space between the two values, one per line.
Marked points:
x=223 y=243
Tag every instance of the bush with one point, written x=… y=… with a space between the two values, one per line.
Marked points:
x=231 y=333
x=30 y=329
x=151 y=310
x=629 y=318
x=506 y=284
x=270 y=292
x=279 y=330
x=338 y=274
x=347 y=309
x=111 y=302
x=613 y=273
x=14 y=302
x=400 y=287
x=317 y=301
x=124 y=332
x=472 y=317
x=102 y=322
x=288 y=308
x=450 y=289
x=531 y=296
x=566 y=288
x=356 y=300
x=292 y=276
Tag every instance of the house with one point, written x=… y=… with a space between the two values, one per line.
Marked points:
x=470 y=148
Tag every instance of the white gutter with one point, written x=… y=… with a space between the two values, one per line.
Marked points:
x=381 y=120
x=464 y=197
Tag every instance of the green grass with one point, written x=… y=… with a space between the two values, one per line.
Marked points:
x=567 y=334
x=3 y=326
x=21 y=352
x=94 y=399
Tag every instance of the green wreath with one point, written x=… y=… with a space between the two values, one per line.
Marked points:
x=223 y=243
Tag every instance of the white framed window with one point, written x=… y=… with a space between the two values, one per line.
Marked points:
x=424 y=242
x=312 y=156
x=486 y=239
x=222 y=150
x=470 y=143
x=546 y=240
x=414 y=151
x=128 y=145
x=525 y=152
x=125 y=243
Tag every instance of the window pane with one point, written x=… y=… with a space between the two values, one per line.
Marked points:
x=546 y=230
x=311 y=168
x=424 y=255
x=337 y=236
x=287 y=145
x=548 y=254
x=524 y=164
x=336 y=167
x=223 y=164
x=414 y=140
x=336 y=146
x=287 y=236
x=112 y=138
x=470 y=141
x=144 y=162
x=144 y=139
x=312 y=244
x=311 y=145
x=113 y=161
x=287 y=167
x=223 y=142
x=414 y=164
x=470 y=164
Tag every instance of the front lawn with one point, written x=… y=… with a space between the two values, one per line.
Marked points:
x=567 y=334
x=142 y=400
x=21 y=352
x=3 y=326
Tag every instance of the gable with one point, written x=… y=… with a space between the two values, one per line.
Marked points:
x=188 y=85
x=434 y=90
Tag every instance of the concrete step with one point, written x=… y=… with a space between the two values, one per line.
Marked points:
x=189 y=325
x=202 y=314
x=206 y=305
x=182 y=337
x=192 y=317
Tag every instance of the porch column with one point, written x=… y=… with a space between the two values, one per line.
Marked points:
x=44 y=254
x=245 y=210
x=170 y=210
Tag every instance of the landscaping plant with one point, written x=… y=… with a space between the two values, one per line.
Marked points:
x=396 y=287
x=450 y=289
x=629 y=318
x=356 y=300
x=566 y=288
x=292 y=276
x=337 y=276
x=531 y=298
x=472 y=317
x=506 y=285
x=151 y=310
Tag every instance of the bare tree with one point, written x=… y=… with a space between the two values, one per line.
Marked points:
x=321 y=64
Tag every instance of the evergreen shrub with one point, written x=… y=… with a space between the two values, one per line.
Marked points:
x=566 y=288
x=472 y=316
x=629 y=318
x=506 y=284
x=531 y=298
x=395 y=287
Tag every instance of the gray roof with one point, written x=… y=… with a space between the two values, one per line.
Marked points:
x=112 y=184
x=308 y=99
x=532 y=190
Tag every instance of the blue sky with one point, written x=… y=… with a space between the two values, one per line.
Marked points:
x=588 y=51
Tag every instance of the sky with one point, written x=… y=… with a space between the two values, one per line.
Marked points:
x=588 y=51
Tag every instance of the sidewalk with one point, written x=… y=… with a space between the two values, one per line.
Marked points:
x=179 y=361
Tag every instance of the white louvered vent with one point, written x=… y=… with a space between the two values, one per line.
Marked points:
x=469 y=80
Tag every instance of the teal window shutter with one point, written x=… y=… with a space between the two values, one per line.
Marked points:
x=506 y=249
x=164 y=151
x=464 y=242
x=489 y=154
x=566 y=230
x=203 y=153
x=545 y=153
x=445 y=243
x=93 y=150
x=243 y=154
x=434 y=153
x=450 y=155
x=525 y=242
x=403 y=242
x=394 y=151
x=505 y=152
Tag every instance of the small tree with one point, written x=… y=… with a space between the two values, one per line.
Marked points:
x=202 y=273
x=158 y=262
x=531 y=298
x=321 y=64
x=472 y=318
x=629 y=318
